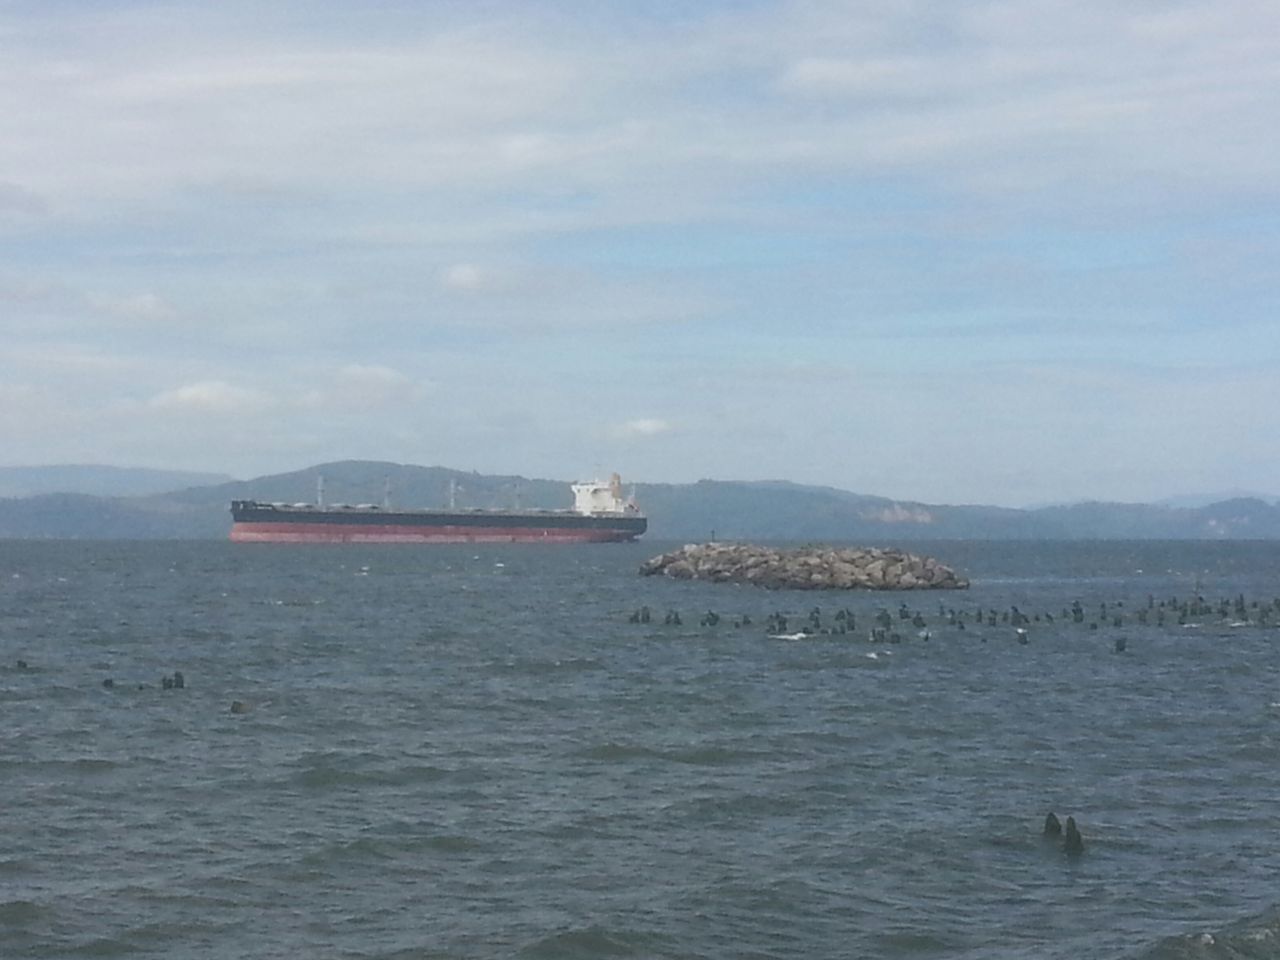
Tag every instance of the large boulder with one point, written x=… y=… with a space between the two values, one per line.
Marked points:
x=805 y=568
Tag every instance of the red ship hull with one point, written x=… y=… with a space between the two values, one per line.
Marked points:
x=385 y=533
x=256 y=522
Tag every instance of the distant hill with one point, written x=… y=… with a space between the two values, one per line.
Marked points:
x=731 y=510
x=775 y=510
x=1243 y=518
x=1205 y=499
x=77 y=516
x=99 y=481
x=203 y=512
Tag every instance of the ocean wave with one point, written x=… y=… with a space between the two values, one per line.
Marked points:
x=589 y=943
x=15 y=866
x=698 y=756
x=332 y=777
x=377 y=849
x=1253 y=938
x=433 y=772
x=329 y=769
x=20 y=913
x=78 y=765
x=531 y=666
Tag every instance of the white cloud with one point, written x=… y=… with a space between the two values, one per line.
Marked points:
x=465 y=276
x=369 y=376
x=357 y=389
x=141 y=108
x=643 y=427
x=78 y=363
x=19 y=203
x=152 y=106
x=25 y=410
x=522 y=211
x=143 y=308
x=1023 y=95
x=25 y=290
x=870 y=78
x=212 y=396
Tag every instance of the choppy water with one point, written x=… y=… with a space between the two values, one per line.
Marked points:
x=472 y=752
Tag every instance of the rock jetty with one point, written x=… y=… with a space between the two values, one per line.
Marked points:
x=806 y=568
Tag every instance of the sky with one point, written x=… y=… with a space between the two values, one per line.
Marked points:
x=1001 y=251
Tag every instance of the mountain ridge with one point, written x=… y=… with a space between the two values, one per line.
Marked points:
x=100 y=480
x=723 y=509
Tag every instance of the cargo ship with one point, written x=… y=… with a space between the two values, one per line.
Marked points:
x=600 y=514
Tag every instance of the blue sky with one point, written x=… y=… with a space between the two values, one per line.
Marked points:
x=998 y=252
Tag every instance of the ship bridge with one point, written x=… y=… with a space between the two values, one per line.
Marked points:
x=593 y=497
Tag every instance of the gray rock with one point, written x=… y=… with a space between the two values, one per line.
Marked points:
x=806 y=568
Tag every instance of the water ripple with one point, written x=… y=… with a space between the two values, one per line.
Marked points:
x=443 y=760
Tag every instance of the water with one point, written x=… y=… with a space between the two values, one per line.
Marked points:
x=472 y=752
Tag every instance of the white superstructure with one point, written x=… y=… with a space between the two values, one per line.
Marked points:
x=593 y=497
